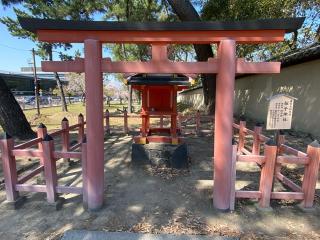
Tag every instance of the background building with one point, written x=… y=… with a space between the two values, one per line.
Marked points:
x=22 y=83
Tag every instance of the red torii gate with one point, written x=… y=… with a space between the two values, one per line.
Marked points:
x=225 y=65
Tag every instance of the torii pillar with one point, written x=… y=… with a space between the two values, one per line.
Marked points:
x=95 y=133
x=223 y=123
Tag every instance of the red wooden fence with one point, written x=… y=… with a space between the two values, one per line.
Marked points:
x=43 y=148
x=270 y=158
x=271 y=161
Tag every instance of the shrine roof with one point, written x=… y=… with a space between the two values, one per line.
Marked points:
x=159 y=79
x=287 y=24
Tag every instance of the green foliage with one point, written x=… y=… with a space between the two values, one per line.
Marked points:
x=142 y=11
x=261 y=9
x=134 y=10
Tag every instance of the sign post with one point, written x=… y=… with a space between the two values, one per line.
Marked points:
x=279 y=117
x=280 y=111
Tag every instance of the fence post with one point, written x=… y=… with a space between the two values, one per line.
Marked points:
x=65 y=137
x=233 y=175
x=267 y=173
x=242 y=135
x=198 y=123
x=41 y=133
x=81 y=128
x=50 y=170
x=311 y=174
x=84 y=172
x=256 y=139
x=281 y=139
x=161 y=121
x=107 y=119
x=9 y=167
x=125 y=122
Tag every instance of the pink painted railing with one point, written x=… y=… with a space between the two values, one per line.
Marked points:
x=270 y=162
x=270 y=158
x=43 y=148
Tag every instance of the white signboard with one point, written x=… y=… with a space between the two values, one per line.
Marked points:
x=280 y=112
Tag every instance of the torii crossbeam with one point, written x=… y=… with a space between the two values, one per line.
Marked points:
x=225 y=65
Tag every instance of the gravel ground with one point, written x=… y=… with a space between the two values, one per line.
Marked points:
x=150 y=200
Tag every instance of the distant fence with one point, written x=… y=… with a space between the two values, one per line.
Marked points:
x=27 y=102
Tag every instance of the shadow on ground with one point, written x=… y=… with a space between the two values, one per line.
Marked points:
x=155 y=201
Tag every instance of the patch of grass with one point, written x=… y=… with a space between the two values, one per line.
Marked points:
x=52 y=116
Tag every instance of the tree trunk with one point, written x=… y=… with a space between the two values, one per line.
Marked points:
x=130 y=99
x=58 y=80
x=12 y=119
x=186 y=12
x=62 y=95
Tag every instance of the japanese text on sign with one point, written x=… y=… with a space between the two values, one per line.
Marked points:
x=280 y=112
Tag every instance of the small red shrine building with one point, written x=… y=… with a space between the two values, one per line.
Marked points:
x=159 y=98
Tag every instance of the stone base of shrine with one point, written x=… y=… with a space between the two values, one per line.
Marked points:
x=158 y=139
x=160 y=154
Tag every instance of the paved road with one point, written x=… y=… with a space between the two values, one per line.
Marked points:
x=100 y=235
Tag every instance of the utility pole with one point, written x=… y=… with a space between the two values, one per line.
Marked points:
x=36 y=85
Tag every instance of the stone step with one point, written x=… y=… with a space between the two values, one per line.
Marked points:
x=102 y=235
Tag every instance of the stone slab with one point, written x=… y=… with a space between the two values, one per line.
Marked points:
x=101 y=235
x=162 y=155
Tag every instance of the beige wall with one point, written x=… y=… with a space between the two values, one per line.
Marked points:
x=301 y=81
x=194 y=98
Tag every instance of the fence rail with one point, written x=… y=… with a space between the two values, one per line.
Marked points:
x=262 y=151
x=43 y=148
x=272 y=159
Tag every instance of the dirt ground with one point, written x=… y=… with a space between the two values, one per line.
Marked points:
x=160 y=201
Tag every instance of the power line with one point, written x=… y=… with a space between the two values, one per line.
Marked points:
x=18 y=49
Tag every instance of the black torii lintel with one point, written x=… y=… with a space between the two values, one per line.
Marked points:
x=287 y=24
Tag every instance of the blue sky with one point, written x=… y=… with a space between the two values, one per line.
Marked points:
x=16 y=52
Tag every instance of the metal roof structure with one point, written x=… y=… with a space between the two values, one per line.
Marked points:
x=23 y=76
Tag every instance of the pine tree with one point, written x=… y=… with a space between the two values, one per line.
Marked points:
x=58 y=9
x=12 y=118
